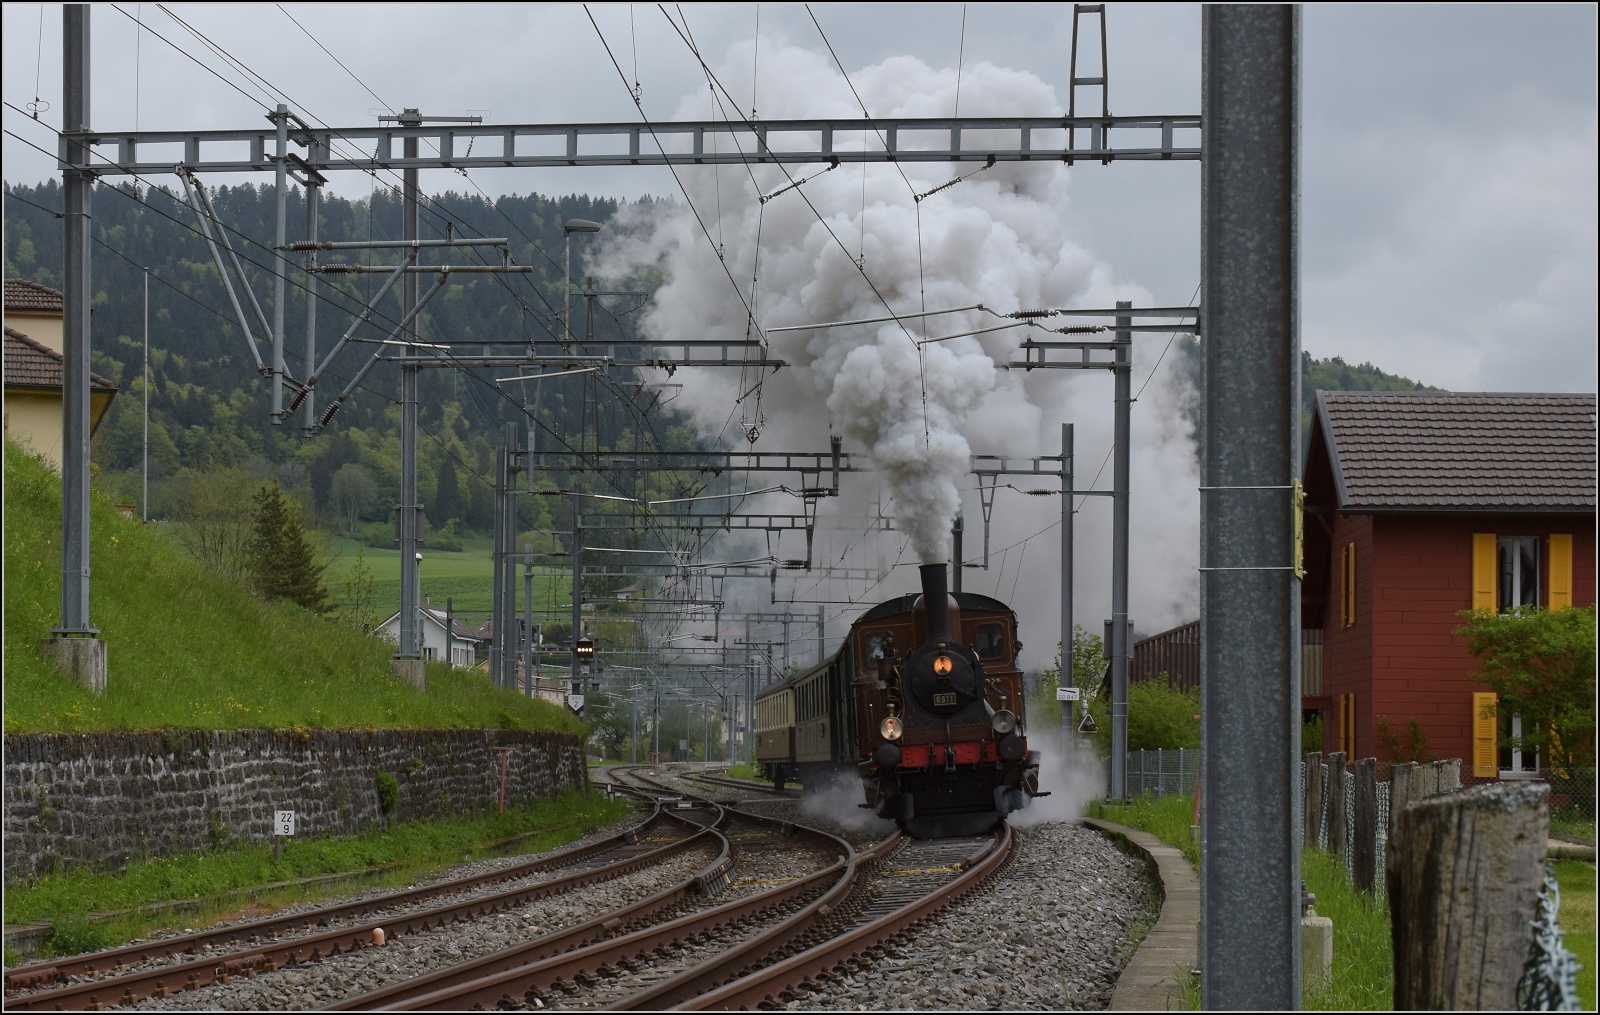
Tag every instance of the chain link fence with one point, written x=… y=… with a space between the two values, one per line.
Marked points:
x=1161 y=773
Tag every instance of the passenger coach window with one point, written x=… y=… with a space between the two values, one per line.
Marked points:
x=876 y=643
x=991 y=641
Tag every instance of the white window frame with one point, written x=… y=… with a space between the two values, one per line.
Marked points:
x=1519 y=768
x=1510 y=547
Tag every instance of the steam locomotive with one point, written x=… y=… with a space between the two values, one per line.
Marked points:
x=924 y=705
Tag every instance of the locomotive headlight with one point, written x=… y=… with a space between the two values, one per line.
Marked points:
x=1004 y=721
x=891 y=728
x=943 y=665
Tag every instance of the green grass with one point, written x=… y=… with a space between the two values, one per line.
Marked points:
x=742 y=771
x=467 y=576
x=66 y=898
x=1577 y=918
x=1167 y=818
x=188 y=649
x=1363 y=956
x=1363 y=966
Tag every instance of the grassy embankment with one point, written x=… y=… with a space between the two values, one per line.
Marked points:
x=189 y=649
x=1363 y=962
x=467 y=575
x=401 y=852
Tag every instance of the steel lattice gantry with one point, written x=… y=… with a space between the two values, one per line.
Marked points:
x=682 y=143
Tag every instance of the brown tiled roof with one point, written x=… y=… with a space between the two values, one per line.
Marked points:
x=22 y=294
x=1441 y=451
x=32 y=365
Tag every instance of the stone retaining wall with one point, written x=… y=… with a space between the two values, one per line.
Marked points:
x=104 y=798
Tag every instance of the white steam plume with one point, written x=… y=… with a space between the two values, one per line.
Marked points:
x=999 y=239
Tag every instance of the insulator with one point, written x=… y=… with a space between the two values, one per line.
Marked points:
x=1023 y=315
x=1080 y=329
x=329 y=413
x=298 y=400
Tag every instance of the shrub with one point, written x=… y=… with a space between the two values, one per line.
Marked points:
x=1541 y=664
x=1162 y=717
x=388 y=792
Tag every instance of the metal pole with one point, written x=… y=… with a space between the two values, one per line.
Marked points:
x=313 y=196
x=748 y=716
x=144 y=467
x=577 y=586
x=410 y=510
x=1118 y=649
x=508 y=596
x=75 y=331
x=1067 y=677
x=280 y=265
x=527 y=615
x=497 y=612
x=566 y=295
x=955 y=545
x=633 y=742
x=822 y=639
x=1250 y=598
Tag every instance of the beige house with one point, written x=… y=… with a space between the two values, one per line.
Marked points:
x=33 y=370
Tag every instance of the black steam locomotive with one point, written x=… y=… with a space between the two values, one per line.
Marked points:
x=924 y=705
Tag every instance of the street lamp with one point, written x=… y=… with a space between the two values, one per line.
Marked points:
x=571 y=226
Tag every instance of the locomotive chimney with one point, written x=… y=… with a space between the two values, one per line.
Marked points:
x=936 y=602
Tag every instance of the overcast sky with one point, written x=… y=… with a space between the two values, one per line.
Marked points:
x=1449 y=176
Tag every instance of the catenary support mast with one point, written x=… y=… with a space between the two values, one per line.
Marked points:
x=1250 y=591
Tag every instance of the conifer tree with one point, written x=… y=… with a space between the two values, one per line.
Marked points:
x=281 y=558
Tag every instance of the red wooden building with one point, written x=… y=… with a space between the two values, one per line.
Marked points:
x=1420 y=505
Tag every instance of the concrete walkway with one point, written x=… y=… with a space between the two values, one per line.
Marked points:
x=1153 y=978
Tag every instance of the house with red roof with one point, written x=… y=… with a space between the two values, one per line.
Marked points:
x=34 y=368
x=1418 y=506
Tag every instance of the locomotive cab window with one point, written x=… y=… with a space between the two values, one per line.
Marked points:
x=991 y=641
x=875 y=645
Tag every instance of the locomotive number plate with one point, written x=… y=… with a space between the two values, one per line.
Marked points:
x=943 y=699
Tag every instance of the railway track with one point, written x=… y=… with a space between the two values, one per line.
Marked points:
x=792 y=793
x=761 y=947
x=158 y=969
x=778 y=909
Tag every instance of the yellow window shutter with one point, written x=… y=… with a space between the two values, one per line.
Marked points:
x=1485 y=735
x=1560 y=572
x=1347 y=606
x=1485 y=571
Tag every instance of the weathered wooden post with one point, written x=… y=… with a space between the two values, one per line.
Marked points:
x=1364 y=856
x=1335 y=790
x=1464 y=875
x=1313 y=799
x=1404 y=787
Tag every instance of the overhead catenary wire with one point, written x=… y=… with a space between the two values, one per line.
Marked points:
x=243 y=68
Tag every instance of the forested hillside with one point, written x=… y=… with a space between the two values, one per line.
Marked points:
x=209 y=424
x=209 y=428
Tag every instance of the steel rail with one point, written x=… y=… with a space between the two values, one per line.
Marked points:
x=767 y=984
x=745 y=784
x=570 y=954
x=39 y=973
x=518 y=977
x=128 y=988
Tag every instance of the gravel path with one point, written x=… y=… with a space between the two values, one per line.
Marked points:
x=318 y=983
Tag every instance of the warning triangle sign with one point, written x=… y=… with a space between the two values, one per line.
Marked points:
x=1088 y=725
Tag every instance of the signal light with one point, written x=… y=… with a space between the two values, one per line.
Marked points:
x=584 y=648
